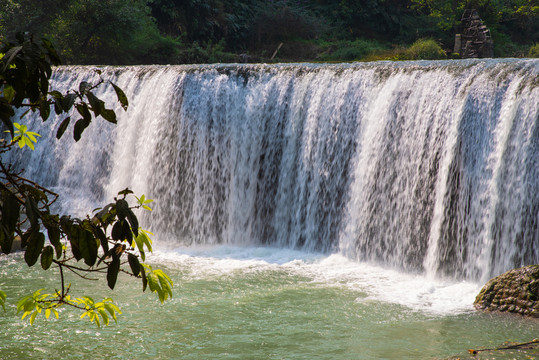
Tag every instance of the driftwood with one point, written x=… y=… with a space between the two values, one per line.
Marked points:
x=534 y=343
x=276 y=51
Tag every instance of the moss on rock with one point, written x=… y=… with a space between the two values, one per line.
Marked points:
x=515 y=291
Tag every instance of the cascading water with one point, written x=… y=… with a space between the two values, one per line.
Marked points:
x=429 y=167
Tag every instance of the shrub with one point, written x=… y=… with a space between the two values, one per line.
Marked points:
x=425 y=49
x=534 y=51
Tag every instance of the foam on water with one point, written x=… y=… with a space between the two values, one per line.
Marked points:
x=373 y=283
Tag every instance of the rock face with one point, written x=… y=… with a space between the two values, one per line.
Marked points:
x=515 y=291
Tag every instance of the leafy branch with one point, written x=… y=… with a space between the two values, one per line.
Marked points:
x=110 y=240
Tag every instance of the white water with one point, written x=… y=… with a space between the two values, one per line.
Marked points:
x=430 y=296
x=380 y=170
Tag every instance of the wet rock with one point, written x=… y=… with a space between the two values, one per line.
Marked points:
x=515 y=291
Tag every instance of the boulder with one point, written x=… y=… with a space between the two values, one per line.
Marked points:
x=516 y=291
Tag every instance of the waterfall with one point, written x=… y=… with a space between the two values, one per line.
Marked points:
x=428 y=167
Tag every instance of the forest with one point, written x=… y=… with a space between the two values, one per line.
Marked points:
x=122 y=32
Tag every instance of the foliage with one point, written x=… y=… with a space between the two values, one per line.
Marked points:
x=195 y=31
x=425 y=49
x=93 y=32
x=108 y=241
x=353 y=50
x=3 y=299
x=516 y=19
x=24 y=137
x=110 y=31
x=209 y=53
x=534 y=51
x=29 y=15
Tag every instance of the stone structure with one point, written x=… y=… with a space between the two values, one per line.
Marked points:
x=515 y=291
x=475 y=40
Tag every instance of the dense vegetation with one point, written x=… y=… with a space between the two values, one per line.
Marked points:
x=198 y=31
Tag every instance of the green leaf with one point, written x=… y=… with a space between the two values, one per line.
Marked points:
x=121 y=96
x=134 y=264
x=112 y=271
x=88 y=248
x=144 y=279
x=66 y=223
x=106 y=215
x=109 y=115
x=111 y=311
x=3 y=299
x=122 y=208
x=6 y=240
x=21 y=303
x=68 y=101
x=140 y=246
x=74 y=237
x=9 y=93
x=10 y=211
x=133 y=221
x=58 y=105
x=33 y=317
x=104 y=316
x=97 y=104
x=9 y=56
x=32 y=212
x=53 y=55
x=46 y=257
x=118 y=231
x=146 y=240
x=165 y=283
x=56 y=94
x=27 y=141
x=53 y=231
x=84 y=86
x=44 y=109
x=102 y=238
x=44 y=70
x=84 y=111
x=34 y=247
x=125 y=192
x=80 y=125
x=153 y=281
x=32 y=135
x=127 y=232
x=6 y=112
x=36 y=193
x=62 y=128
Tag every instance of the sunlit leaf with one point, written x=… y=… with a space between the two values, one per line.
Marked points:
x=33 y=317
x=3 y=300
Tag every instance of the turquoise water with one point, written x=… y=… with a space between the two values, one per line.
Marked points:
x=261 y=303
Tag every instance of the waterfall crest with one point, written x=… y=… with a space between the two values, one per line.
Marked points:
x=424 y=166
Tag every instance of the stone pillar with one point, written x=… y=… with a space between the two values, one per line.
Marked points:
x=458 y=44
